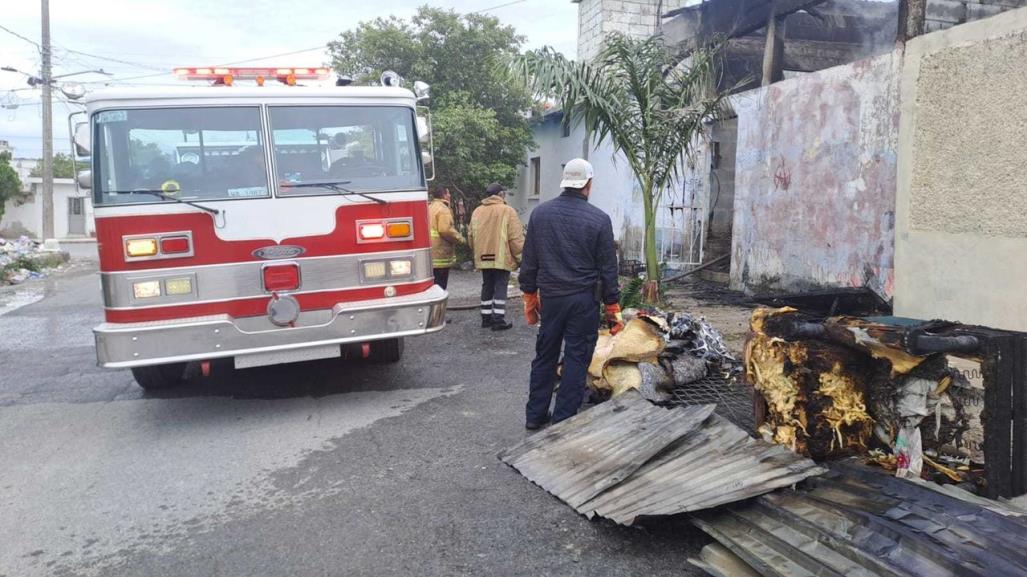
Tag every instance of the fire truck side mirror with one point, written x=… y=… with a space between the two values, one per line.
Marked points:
x=423 y=129
x=85 y=179
x=422 y=90
x=424 y=135
x=81 y=138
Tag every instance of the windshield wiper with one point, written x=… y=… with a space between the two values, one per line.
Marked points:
x=165 y=196
x=335 y=186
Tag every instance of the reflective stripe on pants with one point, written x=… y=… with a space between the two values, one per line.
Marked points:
x=494 y=284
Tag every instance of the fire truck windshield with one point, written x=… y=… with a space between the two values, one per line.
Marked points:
x=218 y=153
x=197 y=153
x=370 y=148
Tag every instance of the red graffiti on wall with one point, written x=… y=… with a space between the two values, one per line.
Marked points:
x=782 y=176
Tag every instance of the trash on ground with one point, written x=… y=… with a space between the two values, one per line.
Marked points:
x=628 y=458
x=856 y=520
x=657 y=352
x=24 y=259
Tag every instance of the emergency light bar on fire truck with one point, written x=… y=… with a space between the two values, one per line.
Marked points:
x=268 y=223
x=227 y=75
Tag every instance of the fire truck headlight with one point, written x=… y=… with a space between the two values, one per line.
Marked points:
x=400 y=268
x=374 y=270
x=178 y=286
x=372 y=231
x=141 y=247
x=146 y=289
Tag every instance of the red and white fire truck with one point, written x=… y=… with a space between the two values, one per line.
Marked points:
x=270 y=223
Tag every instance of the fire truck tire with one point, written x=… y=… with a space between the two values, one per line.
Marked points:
x=387 y=351
x=158 y=377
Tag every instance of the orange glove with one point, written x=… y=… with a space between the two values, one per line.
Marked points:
x=532 y=308
x=614 y=319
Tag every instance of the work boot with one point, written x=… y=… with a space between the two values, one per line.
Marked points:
x=486 y=322
x=536 y=425
x=501 y=324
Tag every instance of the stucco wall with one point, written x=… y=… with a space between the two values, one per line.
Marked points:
x=614 y=189
x=28 y=217
x=961 y=249
x=815 y=178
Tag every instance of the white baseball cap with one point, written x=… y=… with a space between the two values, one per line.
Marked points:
x=576 y=173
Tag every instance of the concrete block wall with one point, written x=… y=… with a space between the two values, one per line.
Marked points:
x=597 y=18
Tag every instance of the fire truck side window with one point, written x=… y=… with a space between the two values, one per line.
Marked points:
x=196 y=153
x=367 y=147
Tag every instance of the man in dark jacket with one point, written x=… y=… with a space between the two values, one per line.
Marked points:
x=569 y=259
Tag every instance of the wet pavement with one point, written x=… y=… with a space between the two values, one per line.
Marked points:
x=323 y=468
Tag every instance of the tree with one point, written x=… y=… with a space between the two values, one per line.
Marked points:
x=478 y=149
x=10 y=184
x=64 y=166
x=481 y=135
x=648 y=102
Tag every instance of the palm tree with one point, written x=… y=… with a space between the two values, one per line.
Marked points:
x=649 y=103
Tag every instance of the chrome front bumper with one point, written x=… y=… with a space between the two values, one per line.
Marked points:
x=124 y=345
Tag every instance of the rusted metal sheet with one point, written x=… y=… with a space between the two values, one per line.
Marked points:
x=859 y=522
x=627 y=458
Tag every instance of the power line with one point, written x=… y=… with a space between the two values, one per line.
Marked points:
x=109 y=59
x=143 y=76
x=499 y=6
x=321 y=47
x=13 y=33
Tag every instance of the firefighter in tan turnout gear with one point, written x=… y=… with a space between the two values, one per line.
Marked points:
x=496 y=236
x=444 y=236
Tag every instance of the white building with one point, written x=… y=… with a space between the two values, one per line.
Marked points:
x=72 y=208
x=682 y=213
x=73 y=211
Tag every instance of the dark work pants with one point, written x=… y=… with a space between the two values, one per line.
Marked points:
x=494 y=283
x=572 y=321
x=441 y=276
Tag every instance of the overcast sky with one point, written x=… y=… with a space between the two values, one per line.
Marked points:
x=153 y=36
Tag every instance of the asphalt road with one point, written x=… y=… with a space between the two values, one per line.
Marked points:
x=323 y=468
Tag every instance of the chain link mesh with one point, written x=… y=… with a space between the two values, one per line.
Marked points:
x=734 y=399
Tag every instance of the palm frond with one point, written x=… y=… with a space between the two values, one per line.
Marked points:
x=649 y=103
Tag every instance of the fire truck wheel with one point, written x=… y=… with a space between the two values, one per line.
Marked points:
x=388 y=351
x=159 y=377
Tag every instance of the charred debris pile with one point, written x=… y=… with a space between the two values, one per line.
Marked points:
x=865 y=445
x=935 y=400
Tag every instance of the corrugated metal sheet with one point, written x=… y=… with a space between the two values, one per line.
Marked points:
x=858 y=522
x=582 y=456
x=627 y=458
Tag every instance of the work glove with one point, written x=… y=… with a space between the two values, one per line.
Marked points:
x=532 y=308
x=614 y=319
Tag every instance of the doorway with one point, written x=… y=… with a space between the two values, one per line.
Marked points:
x=76 y=216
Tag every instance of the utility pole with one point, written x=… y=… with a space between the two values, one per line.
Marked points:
x=46 y=75
x=912 y=19
x=773 y=52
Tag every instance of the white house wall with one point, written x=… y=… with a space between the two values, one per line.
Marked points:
x=614 y=188
x=28 y=217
